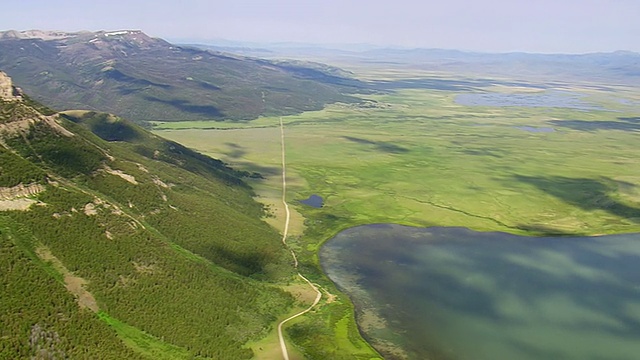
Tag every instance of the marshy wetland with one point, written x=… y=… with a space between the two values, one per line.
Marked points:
x=542 y=98
x=418 y=156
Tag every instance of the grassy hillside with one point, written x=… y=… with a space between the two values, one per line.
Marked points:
x=162 y=248
x=141 y=78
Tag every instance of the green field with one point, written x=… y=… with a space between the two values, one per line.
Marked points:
x=415 y=157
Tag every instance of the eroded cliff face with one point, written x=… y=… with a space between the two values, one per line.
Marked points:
x=7 y=90
x=21 y=117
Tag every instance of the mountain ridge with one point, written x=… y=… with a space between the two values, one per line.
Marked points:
x=611 y=67
x=119 y=244
x=355 y=47
x=139 y=77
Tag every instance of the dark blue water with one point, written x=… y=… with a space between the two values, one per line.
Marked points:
x=451 y=293
x=313 y=201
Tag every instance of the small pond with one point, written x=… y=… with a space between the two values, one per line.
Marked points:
x=313 y=201
x=452 y=293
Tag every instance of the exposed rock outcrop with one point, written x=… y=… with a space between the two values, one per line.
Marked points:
x=21 y=190
x=7 y=90
x=20 y=122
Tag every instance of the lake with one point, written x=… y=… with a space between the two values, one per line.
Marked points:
x=549 y=98
x=452 y=293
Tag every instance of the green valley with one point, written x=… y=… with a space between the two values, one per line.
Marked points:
x=418 y=156
x=119 y=242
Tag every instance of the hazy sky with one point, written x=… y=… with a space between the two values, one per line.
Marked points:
x=485 y=25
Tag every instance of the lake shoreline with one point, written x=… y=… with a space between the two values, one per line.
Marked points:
x=363 y=314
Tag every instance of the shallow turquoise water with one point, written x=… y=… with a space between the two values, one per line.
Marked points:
x=451 y=293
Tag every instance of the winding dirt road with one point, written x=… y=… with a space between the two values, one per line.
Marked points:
x=283 y=345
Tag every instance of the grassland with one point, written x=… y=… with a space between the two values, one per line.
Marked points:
x=416 y=157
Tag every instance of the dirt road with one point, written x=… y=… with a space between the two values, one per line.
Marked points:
x=283 y=345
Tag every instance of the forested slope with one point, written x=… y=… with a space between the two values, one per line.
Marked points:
x=119 y=244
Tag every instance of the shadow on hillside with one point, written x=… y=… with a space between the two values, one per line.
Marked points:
x=587 y=194
x=119 y=76
x=184 y=105
x=623 y=124
x=306 y=71
x=118 y=131
x=379 y=145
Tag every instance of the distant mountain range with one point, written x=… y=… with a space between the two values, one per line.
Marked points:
x=141 y=78
x=618 y=67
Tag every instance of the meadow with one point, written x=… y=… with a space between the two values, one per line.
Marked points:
x=415 y=156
